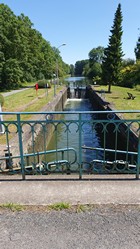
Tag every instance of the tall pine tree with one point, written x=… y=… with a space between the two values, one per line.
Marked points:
x=137 y=49
x=113 y=54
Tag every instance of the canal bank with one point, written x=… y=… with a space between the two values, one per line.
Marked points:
x=57 y=104
x=97 y=99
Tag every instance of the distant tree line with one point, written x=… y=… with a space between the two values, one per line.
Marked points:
x=106 y=65
x=25 y=55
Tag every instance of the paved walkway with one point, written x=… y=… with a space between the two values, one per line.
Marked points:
x=13 y=92
x=95 y=189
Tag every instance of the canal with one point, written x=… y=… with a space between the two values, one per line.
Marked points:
x=88 y=134
x=67 y=134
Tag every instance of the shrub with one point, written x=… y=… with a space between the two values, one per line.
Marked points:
x=1 y=100
x=137 y=87
x=44 y=83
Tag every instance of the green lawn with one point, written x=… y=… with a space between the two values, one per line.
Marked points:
x=28 y=101
x=119 y=97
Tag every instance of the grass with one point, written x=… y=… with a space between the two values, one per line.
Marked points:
x=118 y=98
x=12 y=206
x=20 y=100
x=26 y=101
x=60 y=206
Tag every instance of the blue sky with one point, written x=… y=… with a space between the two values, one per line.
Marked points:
x=81 y=24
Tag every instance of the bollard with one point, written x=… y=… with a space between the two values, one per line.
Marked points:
x=8 y=160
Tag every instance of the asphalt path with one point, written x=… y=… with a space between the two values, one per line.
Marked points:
x=13 y=92
x=103 y=227
x=111 y=221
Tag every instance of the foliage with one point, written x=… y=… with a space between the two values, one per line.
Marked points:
x=131 y=75
x=137 y=87
x=128 y=62
x=97 y=80
x=93 y=68
x=72 y=70
x=1 y=100
x=79 y=67
x=44 y=84
x=25 y=55
x=113 y=53
x=96 y=55
x=137 y=49
x=11 y=74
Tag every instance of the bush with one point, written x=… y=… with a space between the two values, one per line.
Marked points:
x=137 y=87
x=1 y=100
x=44 y=83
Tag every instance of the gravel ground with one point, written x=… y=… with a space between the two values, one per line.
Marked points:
x=106 y=227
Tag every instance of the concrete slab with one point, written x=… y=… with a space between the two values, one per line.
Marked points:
x=95 y=189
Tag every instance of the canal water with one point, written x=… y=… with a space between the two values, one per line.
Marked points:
x=68 y=132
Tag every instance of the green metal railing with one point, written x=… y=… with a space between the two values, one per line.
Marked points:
x=55 y=142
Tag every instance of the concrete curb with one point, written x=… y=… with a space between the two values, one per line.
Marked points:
x=45 y=190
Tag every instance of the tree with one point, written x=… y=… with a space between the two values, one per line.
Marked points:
x=79 y=67
x=128 y=62
x=96 y=54
x=71 y=69
x=113 y=54
x=11 y=74
x=95 y=61
x=137 y=49
x=24 y=54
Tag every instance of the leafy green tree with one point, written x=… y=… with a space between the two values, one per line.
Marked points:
x=11 y=74
x=131 y=75
x=127 y=62
x=24 y=54
x=2 y=61
x=72 y=69
x=94 y=68
x=96 y=55
x=79 y=67
x=113 y=54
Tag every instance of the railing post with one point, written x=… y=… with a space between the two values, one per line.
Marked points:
x=21 y=146
x=80 y=147
x=138 y=159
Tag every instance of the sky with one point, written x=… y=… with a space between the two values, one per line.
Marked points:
x=81 y=24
